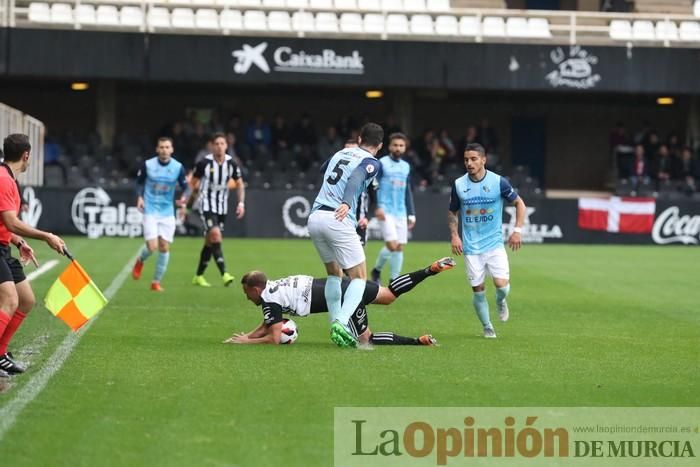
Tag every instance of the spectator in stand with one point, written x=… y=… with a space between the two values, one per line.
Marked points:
x=280 y=137
x=622 y=150
x=391 y=126
x=198 y=142
x=674 y=146
x=640 y=137
x=259 y=135
x=651 y=147
x=639 y=172
x=346 y=126
x=471 y=136
x=180 y=143
x=235 y=126
x=688 y=170
x=446 y=150
x=487 y=137
x=426 y=149
x=304 y=141
x=231 y=142
x=663 y=166
x=52 y=156
x=330 y=143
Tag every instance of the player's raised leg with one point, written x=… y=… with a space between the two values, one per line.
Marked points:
x=406 y=282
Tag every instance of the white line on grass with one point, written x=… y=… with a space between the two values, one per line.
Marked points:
x=9 y=413
x=47 y=266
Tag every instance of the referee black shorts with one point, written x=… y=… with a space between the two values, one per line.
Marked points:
x=211 y=220
x=10 y=268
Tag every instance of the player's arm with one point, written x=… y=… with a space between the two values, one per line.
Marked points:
x=269 y=331
x=507 y=192
x=410 y=205
x=240 y=191
x=140 y=187
x=17 y=227
x=196 y=181
x=184 y=187
x=368 y=169
x=453 y=222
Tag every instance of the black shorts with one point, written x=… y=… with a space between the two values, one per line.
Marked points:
x=359 y=319
x=10 y=268
x=318 y=294
x=362 y=233
x=211 y=220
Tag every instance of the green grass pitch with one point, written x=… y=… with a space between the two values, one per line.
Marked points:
x=151 y=384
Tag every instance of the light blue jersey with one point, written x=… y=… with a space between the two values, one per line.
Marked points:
x=347 y=174
x=394 y=195
x=480 y=207
x=157 y=184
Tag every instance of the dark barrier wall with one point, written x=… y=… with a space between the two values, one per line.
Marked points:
x=280 y=214
x=76 y=54
x=222 y=59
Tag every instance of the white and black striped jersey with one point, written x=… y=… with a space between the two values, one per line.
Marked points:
x=214 y=177
x=290 y=295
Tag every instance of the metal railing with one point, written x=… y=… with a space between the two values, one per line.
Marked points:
x=14 y=121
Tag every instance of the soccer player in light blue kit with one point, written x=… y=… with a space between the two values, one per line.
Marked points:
x=332 y=225
x=157 y=180
x=477 y=202
x=395 y=208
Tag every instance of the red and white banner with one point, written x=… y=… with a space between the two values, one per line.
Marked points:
x=617 y=214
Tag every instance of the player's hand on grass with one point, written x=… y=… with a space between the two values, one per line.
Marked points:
x=515 y=241
x=26 y=254
x=457 y=245
x=238 y=338
x=342 y=211
x=56 y=243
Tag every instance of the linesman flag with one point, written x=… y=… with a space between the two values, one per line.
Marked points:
x=74 y=297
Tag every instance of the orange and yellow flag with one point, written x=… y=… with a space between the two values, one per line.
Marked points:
x=74 y=297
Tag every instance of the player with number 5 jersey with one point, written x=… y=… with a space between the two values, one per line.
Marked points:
x=332 y=227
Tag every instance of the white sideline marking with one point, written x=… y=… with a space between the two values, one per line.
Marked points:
x=47 y=266
x=9 y=413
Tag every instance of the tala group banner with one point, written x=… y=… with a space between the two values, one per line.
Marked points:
x=98 y=212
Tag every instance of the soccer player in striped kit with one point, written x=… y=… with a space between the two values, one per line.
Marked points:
x=212 y=179
x=395 y=208
x=157 y=181
x=477 y=201
x=304 y=295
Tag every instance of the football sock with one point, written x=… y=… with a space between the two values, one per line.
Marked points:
x=334 y=295
x=145 y=253
x=382 y=258
x=502 y=293
x=161 y=265
x=395 y=263
x=482 y=308
x=4 y=321
x=204 y=258
x=10 y=330
x=218 y=254
x=351 y=300
x=405 y=282
x=389 y=338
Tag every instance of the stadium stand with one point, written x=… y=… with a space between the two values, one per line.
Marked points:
x=677 y=7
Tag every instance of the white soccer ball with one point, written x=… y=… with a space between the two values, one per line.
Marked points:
x=289 y=332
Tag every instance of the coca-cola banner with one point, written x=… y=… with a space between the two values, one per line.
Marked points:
x=96 y=212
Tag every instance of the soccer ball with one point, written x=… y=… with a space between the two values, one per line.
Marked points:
x=289 y=332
